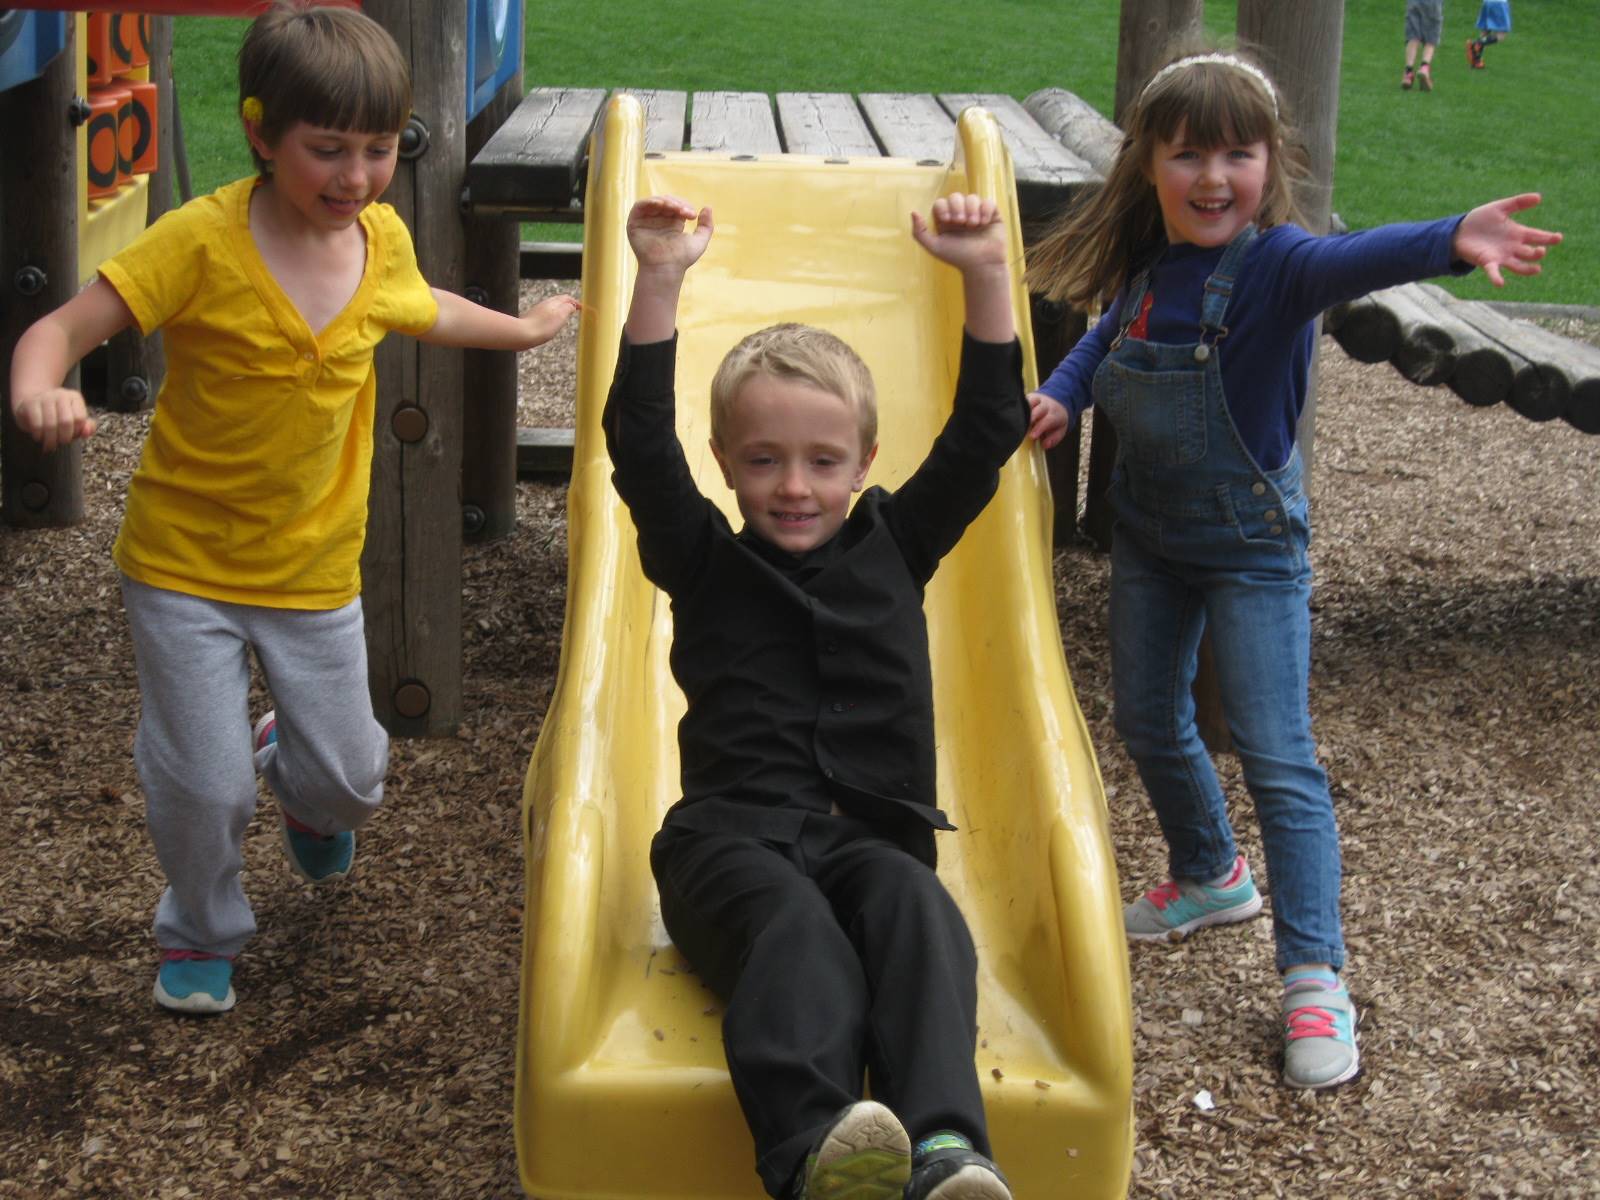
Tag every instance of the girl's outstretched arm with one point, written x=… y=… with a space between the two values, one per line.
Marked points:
x=463 y=323
x=1488 y=237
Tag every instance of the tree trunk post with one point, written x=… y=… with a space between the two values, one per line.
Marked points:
x=38 y=273
x=489 y=417
x=411 y=566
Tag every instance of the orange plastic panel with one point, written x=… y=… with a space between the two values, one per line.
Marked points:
x=143 y=119
x=104 y=158
x=97 y=47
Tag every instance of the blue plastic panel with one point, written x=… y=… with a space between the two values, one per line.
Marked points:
x=494 y=41
x=28 y=41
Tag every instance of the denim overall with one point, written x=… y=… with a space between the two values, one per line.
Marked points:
x=1204 y=538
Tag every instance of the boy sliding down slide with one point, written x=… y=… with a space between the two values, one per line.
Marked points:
x=797 y=872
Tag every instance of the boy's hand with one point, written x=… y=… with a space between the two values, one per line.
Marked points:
x=545 y=319
x=1048 y=421
x=54 y=418
x=657 y=235
x=967 y=232
x=1488 y=237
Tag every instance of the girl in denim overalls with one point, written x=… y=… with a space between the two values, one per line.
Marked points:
x=1201 y=363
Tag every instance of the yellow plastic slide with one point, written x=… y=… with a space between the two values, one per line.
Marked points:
x=622 y=1092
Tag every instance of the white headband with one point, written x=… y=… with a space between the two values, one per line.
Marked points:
x=1226 y=60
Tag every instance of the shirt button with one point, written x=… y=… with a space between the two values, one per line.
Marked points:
x=837 y=707
x=827 y=772
x=1271 y=514
x=830 y=647
x=1258 y=489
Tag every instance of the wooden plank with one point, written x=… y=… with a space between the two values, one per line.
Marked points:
x=733 y=123
x=544 y=452
x=825 y=123
x=666 y=118
x=1048 y=174
x=910 y=125
x=551 y=260
x=535 y=160
x=1077 y=125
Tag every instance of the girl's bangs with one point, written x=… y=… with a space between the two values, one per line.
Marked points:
x=1213 y=107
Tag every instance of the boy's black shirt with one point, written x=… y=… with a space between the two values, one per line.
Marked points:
x=807 y=677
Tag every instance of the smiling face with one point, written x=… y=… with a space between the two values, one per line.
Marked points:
x=325 y=177
x=792 y=454
x=1208 y=193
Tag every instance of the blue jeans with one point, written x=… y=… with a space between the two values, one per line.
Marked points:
x=1254 y=597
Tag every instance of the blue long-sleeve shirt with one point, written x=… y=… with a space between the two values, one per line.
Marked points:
x=1287 y=278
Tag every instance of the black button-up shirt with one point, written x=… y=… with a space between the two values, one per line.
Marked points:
x=807 y=676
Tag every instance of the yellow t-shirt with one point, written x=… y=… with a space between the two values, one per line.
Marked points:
x=252 y=487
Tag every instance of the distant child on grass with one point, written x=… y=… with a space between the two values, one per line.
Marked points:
x=1424 y=27
x=1494 y=25
x=797 y=872
x=246 y=516
x=1201 y=363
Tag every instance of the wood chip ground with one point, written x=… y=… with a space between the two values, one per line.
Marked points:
x=1456 y=694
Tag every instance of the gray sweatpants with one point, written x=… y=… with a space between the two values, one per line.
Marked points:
x=193 y=749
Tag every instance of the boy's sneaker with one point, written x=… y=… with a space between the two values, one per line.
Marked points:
x=1180 y=906
x=1319 y=1030
x=1405 y=80
x=944 y=1166
x=864 y=1155
x=1425 y=77
x=315 y=857
x=191 y=981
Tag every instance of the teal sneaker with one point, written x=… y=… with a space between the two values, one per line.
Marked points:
x=1319 y=1030
x=944 y=1166
x=315 y=857
x=189 y=981
x=864 y=1155
x=1178 y=907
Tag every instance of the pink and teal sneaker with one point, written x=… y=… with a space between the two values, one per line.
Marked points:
x=1178 y=907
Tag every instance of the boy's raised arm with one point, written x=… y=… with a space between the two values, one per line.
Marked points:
x=968 y=234
x=665 y=251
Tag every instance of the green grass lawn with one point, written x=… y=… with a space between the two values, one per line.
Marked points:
x=1524 y=124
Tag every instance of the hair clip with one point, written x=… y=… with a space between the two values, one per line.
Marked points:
x=1226 y=60
x=251 y=109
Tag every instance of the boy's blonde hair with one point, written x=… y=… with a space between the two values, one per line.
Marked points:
x=1212 y=101
x=802 y=353
x=333 y=67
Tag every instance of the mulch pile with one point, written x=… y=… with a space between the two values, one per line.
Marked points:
x=1457 y=703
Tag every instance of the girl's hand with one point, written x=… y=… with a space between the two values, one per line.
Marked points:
x=1487 y=237
x=545 y=319
x=967 y=232
x=54 y=418
x=657 y=235
x=1048 y=421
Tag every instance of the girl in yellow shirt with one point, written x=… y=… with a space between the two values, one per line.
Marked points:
x=246 y=515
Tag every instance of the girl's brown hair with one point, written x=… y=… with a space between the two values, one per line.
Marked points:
x=333 y=67
x=1095 y=247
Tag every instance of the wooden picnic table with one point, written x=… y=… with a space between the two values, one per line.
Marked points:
x=534 y=167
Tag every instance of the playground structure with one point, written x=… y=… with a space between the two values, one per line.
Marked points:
x=614 y=1029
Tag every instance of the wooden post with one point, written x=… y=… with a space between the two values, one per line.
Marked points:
x=135 y=364
x=1149 y=32
x=489 y=395
x=38 y=273
x=1300 y=45
x=411 y=567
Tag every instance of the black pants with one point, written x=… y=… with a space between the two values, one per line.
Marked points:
x=836 y=957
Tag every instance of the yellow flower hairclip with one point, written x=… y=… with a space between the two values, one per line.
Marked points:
x=251 y=108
